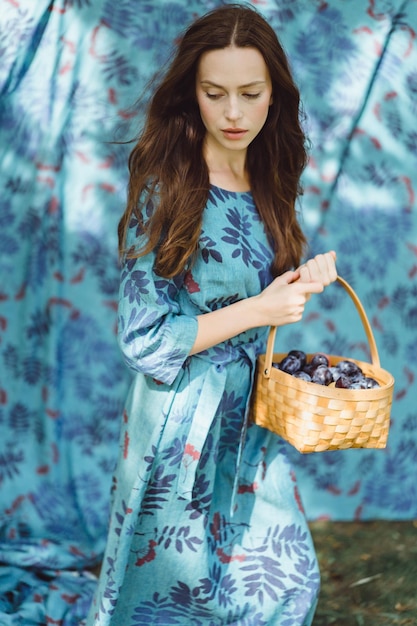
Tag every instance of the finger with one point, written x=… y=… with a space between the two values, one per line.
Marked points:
x=305 y=276
x=288 y=277
x=329 y=266
x=322 y=268
x=311 y=271
x=310 y=287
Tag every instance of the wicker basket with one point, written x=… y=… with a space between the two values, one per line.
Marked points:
x=315 y=418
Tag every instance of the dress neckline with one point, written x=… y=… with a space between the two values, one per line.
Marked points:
x=230 y=190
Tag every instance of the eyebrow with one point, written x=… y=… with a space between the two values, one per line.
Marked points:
x=252 y=84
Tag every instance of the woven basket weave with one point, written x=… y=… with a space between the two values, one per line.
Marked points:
x=315 y=418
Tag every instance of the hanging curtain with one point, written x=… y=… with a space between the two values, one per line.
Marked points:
x=71 y=73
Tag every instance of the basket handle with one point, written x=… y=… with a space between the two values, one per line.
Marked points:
x=365 y=322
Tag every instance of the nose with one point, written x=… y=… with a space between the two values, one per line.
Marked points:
x=232 y=111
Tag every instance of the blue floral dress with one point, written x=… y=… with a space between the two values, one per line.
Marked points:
x=207 y=528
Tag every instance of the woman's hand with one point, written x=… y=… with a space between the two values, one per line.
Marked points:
x=284 y=300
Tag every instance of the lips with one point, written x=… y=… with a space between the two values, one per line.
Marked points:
x=234 y=133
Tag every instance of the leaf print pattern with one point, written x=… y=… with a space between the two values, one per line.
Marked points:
x=237 y=235
x=135 y=286
x=208 y=250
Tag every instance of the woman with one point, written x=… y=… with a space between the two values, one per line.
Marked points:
x=206 y=528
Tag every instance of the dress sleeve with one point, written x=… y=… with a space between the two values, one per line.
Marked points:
x=155 y=336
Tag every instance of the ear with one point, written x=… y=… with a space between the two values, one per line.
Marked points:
x=271 y=99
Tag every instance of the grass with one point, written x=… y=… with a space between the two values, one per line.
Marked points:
x=369 y=573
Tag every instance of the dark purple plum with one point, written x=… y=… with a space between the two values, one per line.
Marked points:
x=319 y=359
x=358 y=383
x=343 y=382
x=334 y=372
x=300 y=355
x=308 y=369
x=345 y=375
x=303 y=376
x=322 y=375
x=290 y=364
x=371 y=383
x=349 y=368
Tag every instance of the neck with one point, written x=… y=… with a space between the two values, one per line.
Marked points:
x=227 y=171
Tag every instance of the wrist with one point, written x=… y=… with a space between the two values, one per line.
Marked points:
x=253 y=312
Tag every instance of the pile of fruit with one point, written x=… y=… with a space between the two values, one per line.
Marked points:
x=344 y=375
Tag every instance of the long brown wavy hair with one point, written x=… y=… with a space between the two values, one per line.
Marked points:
x=168 y=161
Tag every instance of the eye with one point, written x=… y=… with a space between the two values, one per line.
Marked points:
x=213 y=96
x=251 y=96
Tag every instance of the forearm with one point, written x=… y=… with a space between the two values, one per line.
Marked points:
x=227 y=322
x=282 y=302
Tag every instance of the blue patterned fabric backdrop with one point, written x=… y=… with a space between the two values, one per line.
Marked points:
x=70 y=73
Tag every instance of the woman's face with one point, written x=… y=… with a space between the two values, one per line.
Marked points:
x=234 y=93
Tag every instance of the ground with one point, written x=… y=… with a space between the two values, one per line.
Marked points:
x=369 y=573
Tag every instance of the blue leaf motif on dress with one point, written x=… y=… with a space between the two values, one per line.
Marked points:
x=246 y=615
x=241 y=225
x=218 y=303
x=166 y=291
x=237 y=236
x=208 y=249
x=189 y=600
x=128 y=265
x=232 y=406
x=175 y=452
x=215 y=194
x=139 y=320
x=158 y=488
x=251 y=208
x=201 y=497
x=149 y=611
x=135 y=286
x=169 y=358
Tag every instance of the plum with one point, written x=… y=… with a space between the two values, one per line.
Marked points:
x=349 y=368
x=322 y=375
x=290 y=364
x=300 y=355
x=319 y=359
x=303 y=376
x=343 y=382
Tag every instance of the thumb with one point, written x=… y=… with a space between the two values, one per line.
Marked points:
x=291 y=276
